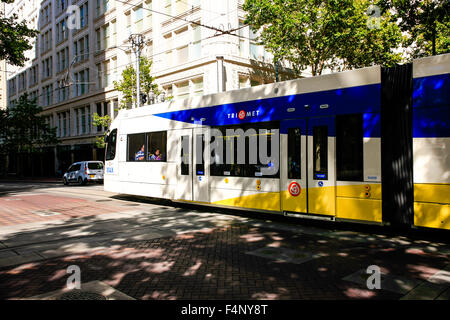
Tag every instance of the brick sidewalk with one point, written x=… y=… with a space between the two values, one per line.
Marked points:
x=28 y=208
x=235 y=262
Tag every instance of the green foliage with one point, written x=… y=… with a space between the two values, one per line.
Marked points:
x=128 y=83
x=128 y=88
x=317 y=34
x=427 y=23
x=22 y=129
x=14 y=39
x=104 y=122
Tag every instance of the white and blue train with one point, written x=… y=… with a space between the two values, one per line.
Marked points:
x=369 y=145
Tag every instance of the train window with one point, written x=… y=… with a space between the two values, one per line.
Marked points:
x=236 y=158
x=156 y=146
x=320 y=152
x=185 y=156
x=111 y=146
x=200 y=165
x=349 y=147
x=294 y=153
x=136 y=147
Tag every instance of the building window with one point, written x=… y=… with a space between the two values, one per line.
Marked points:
x=81 y=49
x=149 y=18
x=107 y=73
x=84 y=14
x=196 y=47
x=63 y=91
x=34 y=75
x=22 y=81
x=168 y=7
x=61 y=31
x=83 y=122
x=103 y=6
x=47 y=68
x=98 y=40
x=46 y=41
x=181 y=6
x=81 y=85
x=61 y=5
x=139 y=19
x=102 y=109
x=106 y=35
x=128 y=20
x=62 y=59
x=47 y=95
x=46 y=15
x=183 y=54
x=12 y=87
x=63 y=124
x=197 y=87
x=182 y=90
x=244 y=82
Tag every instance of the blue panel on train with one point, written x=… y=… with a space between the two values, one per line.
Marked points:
x=361 y=99
x=431 y=122
x=432 y=91
x=372 y=125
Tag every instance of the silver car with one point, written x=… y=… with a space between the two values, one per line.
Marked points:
x=83 y=172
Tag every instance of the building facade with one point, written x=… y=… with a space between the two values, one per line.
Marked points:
x=84 y=46
x=3 y=95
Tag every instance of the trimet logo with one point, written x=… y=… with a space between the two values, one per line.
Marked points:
x=241 y=115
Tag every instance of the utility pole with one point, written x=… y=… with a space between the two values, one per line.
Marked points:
x=137 y=42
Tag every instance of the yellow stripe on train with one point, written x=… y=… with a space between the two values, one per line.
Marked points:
x=352 y=202
x=432 y=205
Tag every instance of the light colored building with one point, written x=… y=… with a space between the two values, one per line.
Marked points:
x=77 y=57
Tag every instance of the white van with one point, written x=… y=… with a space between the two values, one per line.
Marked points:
x=83 y=172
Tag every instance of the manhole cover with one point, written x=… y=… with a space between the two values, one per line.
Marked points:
x=103 y=200
x=131 y=205
x=81 y=295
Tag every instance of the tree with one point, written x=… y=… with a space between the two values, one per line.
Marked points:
x=128 y=88
x=14 y=39
x=128 y=83
x=103 y=122
x=427 y=23
x=315 y=35
x=23 y=130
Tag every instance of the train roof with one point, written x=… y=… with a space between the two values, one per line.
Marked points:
x=339 y=80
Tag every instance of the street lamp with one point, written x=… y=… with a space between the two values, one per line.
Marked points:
x=151 y=98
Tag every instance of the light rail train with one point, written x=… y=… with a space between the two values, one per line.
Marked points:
x=369 y=145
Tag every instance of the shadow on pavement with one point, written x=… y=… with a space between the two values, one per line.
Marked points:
x=216 y=261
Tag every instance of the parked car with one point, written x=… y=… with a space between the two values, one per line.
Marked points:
x=83 y=172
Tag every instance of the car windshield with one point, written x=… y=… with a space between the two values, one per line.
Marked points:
x=95 y=165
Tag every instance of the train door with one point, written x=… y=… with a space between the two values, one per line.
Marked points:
x=184 y=165
x=321 y=166
x=200 y=170
x=293 y=176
